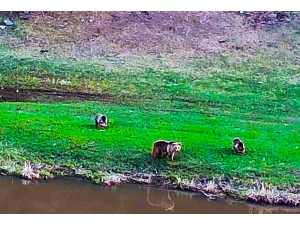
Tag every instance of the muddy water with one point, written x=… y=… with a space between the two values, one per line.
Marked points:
x=67 y=196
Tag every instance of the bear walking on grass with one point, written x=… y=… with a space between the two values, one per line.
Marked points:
x=101 y=121
x=162 y=148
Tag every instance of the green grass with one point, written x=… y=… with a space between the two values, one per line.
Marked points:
x=219 y=82
x=204 y=107
x=64 y=134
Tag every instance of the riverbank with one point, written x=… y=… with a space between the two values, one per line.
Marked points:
x=49 y=99
x=45 y=140
x=121 y=199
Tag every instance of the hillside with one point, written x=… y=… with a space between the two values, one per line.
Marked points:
x=200 y=78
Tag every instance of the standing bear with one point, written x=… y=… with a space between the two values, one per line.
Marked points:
x=163 y=148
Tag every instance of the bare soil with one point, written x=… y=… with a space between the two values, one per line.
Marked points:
x=94 y=34
x=26 y=95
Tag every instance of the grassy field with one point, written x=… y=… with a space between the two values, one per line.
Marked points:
x=201 y=78
x=204 y=104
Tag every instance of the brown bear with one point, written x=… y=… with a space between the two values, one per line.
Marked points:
x=162 y=148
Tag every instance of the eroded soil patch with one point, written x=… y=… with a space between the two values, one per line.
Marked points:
x=25 y=95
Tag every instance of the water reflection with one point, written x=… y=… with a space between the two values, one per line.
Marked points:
x=73 y=196
x=263 y=208
x=163 y=201
x=254 y=209
x=28 y=182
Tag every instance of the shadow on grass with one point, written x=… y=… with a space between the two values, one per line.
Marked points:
x=143 y=161
x=92 y=126
x=228 y=152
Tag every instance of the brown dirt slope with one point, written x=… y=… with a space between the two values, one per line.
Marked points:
x=93 y=34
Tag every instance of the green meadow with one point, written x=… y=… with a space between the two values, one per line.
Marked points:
x=204 y=104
